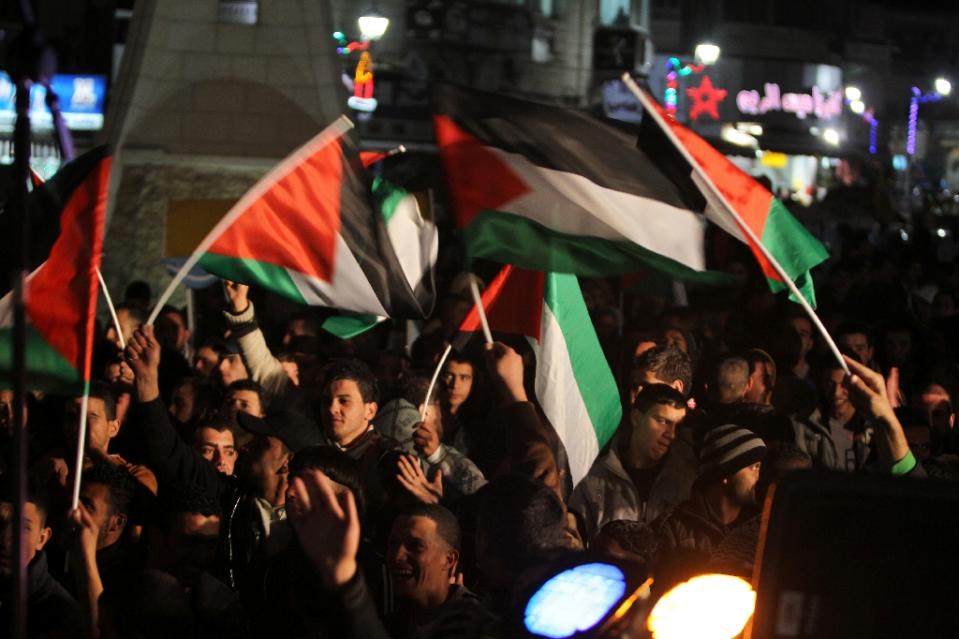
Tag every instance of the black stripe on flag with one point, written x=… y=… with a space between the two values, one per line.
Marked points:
x=565 y=140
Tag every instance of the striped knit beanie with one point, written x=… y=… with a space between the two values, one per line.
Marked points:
x=725 y=451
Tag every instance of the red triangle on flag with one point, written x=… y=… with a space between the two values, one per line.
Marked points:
x=295 y=222
x=460 y=150
x=513 y=303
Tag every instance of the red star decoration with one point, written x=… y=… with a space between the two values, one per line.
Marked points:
x=706 y=98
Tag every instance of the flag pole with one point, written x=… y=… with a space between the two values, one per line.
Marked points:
x=81 y=446
x=436 y=375
x=334 y=130
x=113 y=310
x=480 y=310
x=650 y=109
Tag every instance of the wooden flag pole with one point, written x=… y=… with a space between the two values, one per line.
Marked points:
x=702 y=180
x=334 y=130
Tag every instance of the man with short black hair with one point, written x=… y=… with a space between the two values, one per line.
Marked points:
x=631 y=480
x=243 y=395
x=661 y=365
x=216 y=442
x=855 y=337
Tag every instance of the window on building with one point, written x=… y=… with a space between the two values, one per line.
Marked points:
x=614 y=11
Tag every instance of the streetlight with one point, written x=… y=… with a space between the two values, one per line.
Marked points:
x=373 y=24
x=857 y=106
x=943 y=86
x=831 y=136
x=706 y=53
x=853 y=94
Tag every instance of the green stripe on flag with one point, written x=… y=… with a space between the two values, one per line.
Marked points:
x=346 y=325
x=593 y=376
x=388 y=196
x=47 y=370
x=794 y=247
x=249 y=271
x=512 y=239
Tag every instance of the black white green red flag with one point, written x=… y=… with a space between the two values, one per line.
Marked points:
x=309 y=230
x=558 y=190
x=574 y=384
x=61 y=294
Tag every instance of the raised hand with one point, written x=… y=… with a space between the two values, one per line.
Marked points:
x=327 y=525
x=506 y=367
x=236 y=296
x=868 y=391
x=143 y=356
x=413 y=479
x=426 y=438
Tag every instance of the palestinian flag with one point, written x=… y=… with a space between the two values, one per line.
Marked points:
x=309 y=230
x=61 y=293
x=416 y=244
x=45 y=205
x=574 y=384
x=557 y=190
x=786 y=239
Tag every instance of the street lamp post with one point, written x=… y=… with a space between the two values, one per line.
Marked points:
x=942 y=88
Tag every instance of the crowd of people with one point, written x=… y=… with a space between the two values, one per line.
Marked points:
x=264 y=478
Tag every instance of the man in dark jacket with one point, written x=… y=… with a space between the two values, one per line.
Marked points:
x=51 y=611
x=725 y=488
x=253 y=501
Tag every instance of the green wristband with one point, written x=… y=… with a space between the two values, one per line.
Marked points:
x=904 y=466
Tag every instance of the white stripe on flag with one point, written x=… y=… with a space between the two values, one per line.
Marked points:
x=561 y=398
x=350 y=290
x=585 y=208
x=415 y=240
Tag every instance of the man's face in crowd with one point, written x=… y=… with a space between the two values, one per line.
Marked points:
x=835 y=393
x=96 y=499
x=295 y=328
x=231 y=368
x=171 y=331
x=756 y=391
x=242 y=401
x=898 y=347
x=192 y=544
x=217 y=447
x=459 y=382
x=38 y=534
x=264 y=463
x=181 y=403
x=419 y=561
x=346 y=416
x=742 y=485
x=653 y=432
x=937 y=403
x=804 y=329
x=100 y=429
x=858 y=343
x=205 y=361
x=919 y=439
x=6 y=411
x=675 y=338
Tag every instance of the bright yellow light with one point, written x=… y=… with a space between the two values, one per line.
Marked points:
x=705 y=607
x=857 y=106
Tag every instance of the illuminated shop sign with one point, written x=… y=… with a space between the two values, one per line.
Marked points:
x=81 y=102
x=825 y=105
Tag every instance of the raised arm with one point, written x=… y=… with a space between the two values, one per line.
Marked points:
x=264 y=368
x=167 y=454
